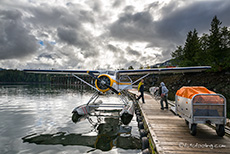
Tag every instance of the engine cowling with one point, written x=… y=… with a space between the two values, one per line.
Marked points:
x=101 y=84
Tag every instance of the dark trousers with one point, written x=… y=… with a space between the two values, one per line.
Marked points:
x=166 y=102
x=142 y=95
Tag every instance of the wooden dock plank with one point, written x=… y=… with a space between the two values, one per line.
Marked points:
x=171 y=135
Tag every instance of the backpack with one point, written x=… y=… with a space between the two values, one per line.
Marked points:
x=160 y=90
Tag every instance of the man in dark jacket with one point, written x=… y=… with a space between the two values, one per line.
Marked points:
x=141 y=90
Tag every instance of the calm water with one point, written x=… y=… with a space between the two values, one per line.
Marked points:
x=38 y=119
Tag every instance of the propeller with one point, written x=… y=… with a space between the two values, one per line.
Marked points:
x=103 y=83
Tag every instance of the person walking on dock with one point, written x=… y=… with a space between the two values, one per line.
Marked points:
x=141 y=90
x=164 y=95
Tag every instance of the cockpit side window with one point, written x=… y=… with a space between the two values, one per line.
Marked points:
x=111 y=73
x=125 y=78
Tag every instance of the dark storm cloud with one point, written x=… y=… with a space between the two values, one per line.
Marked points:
x=129 y=9
x=133 y=27
x=16 y=40
x=75 y=38
x=132 y=52
x=121 y=60
x=78 y=40
x=175 y=22
x=80 y=30
x=47 y=56
x=70 y=36
x=120 y=56
x=112 y=48
x=10 y=14
x=97 y=6
x=66 y=24
x=179 y=21
x=117 y=51
x=54 y=16
x=118 y=3
x=47 y=15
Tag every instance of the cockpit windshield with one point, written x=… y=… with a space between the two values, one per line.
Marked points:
x=112 y=73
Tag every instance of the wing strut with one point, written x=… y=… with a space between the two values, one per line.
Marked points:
x=85 y=82
x=136 y=81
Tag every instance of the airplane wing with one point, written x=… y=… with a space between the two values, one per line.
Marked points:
x=126 y=72
x=164 y=70
x=82 y=72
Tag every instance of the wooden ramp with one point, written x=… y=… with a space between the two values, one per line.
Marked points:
x=169 y=134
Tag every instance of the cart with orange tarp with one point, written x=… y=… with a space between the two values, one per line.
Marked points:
x=200 y=105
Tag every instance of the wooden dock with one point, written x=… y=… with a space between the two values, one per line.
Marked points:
x=169 y=134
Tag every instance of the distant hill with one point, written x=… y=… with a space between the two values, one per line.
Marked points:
x=167 y=63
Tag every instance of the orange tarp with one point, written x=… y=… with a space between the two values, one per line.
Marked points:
x=189 y=92
x=208 y=99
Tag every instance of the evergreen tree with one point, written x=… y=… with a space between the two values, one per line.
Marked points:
x=201 y=56
x=191 y=48
x=204 y=42
x=177 y=56
x=215 y=46
x=189 y=55
x=130 y=67
x=226 y=47
x=211 y=49
x=225 y=38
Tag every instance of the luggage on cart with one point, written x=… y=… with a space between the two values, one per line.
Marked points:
x=200 y=105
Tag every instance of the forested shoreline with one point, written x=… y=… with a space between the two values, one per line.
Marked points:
x=21 y=77
x=210 y=49
x=17 y=76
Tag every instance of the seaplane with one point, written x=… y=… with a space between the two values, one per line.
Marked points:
x=113 y=81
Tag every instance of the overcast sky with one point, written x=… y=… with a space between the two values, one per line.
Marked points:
x=96 y=34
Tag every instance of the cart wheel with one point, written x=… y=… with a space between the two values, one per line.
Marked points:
x=193 y=130
x=220 y=130
x=186 y=122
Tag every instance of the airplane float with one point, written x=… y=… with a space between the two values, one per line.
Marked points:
x=106 y=81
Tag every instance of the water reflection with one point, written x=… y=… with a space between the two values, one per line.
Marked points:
x=109 y=133
x=42 y=115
